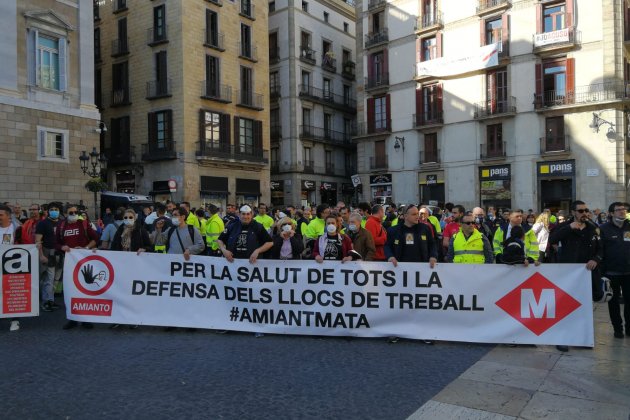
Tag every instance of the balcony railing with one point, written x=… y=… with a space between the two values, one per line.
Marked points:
x=593 y=93
x=378 y=162
x=216 y=92
x=485 y=5
x=327 y=135
x=562 y=38
x=120 y=47
x=157 y=35
x=275 y=92
x=307 y=55
x=120 y=97
x=250 y=99
x=247 y=9
x=348 y=70
x=159 y=88
x=327 y=96
x=429 y=21
x=554 y=144
x=375 y=82
x=428 y=157
x=375 y=38
x=329 y=63
x=374 y=127
x=153 y=151
x=274 y=55
x=434 y=117
x=275 y=132
x=225 y=151
x=214 y=40
x=376 y=4
x=309 y=167
x=495 y=151
x=492 y=108
x=248 y=51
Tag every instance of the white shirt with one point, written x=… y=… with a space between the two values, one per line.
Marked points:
x=7 y=235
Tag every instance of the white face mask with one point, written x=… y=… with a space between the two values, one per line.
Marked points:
x=352 y=228
x=175 y=221
x=128 y=222
x=331 y=229
x=286 y=228
x=619 y=220
x=73 y=218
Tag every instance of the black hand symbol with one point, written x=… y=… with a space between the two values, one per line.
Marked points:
x=88 y=276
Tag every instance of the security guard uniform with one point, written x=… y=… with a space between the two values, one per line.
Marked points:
x=214 y=227
x=468 y=251
x=531 y=243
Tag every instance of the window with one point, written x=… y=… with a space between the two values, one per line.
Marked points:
x=496 y=31
x=327 y=90
x=119 y=140
x=429 y=104
x=48 y=59
x=327 y=125
x=497 y=100
x=493 y=31
x=97 y=44
x=161 y=75
x=346 y=56
x=212 y=129
x=121 y=46
x=96 y=8
x=554 y=134
x=246 y=41
x=553 y=17
x=246 y=86
x=380 y=113
x=346 y=27
x=305 y=6
x=160 y=129
x=212 y=28
x=52 y=144
x=308 y=157
x=378 y=67
x=429 y=49
x=347 y=95
x=494 y=141
x=98 y=88
x=378 y=22
x=274 y=123
x=272 y=6
x=159 y=23
x=429 y=10
x=274 y=157
x=274 y=84
x=120 y=83
x=306 y=117
x=347 y=129
x=555 y=82
x=329 y=161
x=212 y=77
x=430 y=148
x=306 y=81
x=246 y=135
x=246 y=8
x=274 y=49
x=326 y=17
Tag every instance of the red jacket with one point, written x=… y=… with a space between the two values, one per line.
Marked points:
x=379 y=234
x=28 y=232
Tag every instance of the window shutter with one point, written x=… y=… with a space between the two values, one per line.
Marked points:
x=538 y=100
x=169 y=129
x=385 y=67
x=258 y=136
x=63 y=146
x=388 y=112
x=237 y=133
x=42 y=143
x=505 y=34
x=224 y=120
x=438 y=89
x=202 y=130
x=570 y=86
x=63 y=63
x=569 y=16
x=539 y=18
x=152 y=128
x=370 y=68
x=208 y=26
x=370 y=115
x=419 y=106
x=31 y=56
x=482 y=32
x=438 y=45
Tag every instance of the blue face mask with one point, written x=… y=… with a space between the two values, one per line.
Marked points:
x=54 y=214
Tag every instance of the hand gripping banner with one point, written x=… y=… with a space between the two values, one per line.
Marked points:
x=549 y=304
x=19 y=289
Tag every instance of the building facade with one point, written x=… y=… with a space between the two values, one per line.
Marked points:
x=47 y=112
x=313 y=101
x=516 y=104
x=183 y=87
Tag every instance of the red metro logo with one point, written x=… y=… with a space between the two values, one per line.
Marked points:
x=538 y=304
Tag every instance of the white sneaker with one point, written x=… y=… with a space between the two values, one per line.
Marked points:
x=15 y=326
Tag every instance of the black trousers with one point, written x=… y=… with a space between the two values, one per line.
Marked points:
x=620 y=284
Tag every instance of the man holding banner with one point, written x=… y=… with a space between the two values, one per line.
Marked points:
x=410 y=241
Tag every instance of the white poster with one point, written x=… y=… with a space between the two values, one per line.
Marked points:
x=550 y=304
x=554 y=37
x=19 y=289
x=481 y=58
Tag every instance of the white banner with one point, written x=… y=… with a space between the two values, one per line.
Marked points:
x=550 y=304
x=19 y=289
x=554 y=37
x=482 y=58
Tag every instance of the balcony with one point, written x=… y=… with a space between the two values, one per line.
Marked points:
x=214 y=40
x=492 y=109
x=120 y=47
x=309 y=167
x=274 y=55
x=382 y=127
x=380 y=81
x=119 y=6
x=374 y=5
x=555 y=145
x=430 y=119
x=120 y=97
x=608 y=91
x=348 y=70
x=430 y=157
x=329 y=63
x=490 y=6
x=428 y=23
x=154 y=151
x=376 y=38
x=554 y=41
x=157 y=89
x=275 y=92
x=495 y=151
x=329 y=168
x=249 y=99
x=248 y=51
x=157 y=35
x=209 y=150
x=247 y=9
x=122 y=155
x=216 y=92
x=307 y=55
x=275 y=132
x=328 y=98
x=378 y=163
x=325 y=135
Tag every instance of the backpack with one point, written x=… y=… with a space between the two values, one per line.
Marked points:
x=513 y=252
x=191 y=232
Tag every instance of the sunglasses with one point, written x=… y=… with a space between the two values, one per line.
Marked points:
x=72 y=213
x=468 y=223
x=583 y=210
x=129 y=218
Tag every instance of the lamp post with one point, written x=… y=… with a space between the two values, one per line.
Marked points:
x=92 y=165
x=400 y=141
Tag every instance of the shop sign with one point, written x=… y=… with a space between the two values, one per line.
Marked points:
x=347 y=188
x=308 y=185
x=381 y=179
x=329 y=186
x=557 y=168
x=276 y=185
x=431 y=179
x=495 y=172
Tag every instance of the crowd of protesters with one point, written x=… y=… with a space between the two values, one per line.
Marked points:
x=410 y=233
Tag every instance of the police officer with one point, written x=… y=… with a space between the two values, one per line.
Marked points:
x=469 y=246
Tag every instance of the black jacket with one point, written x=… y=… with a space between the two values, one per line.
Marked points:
x=615 y=243
x=297 y=246
x=422 y=235
x=139 y=238
x=577 y=246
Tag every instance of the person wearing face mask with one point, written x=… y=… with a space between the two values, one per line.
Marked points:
x=481 y=224
x=332 y=245
x=51 y=257
x=362 y=240
x=287 y=245
x=615 y=240
x=131 y=235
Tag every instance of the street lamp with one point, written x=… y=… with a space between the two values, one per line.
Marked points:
x=92 y=165
x=598 y=122
x=400 y=141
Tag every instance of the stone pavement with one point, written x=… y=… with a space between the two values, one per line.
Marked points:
x=531 y=382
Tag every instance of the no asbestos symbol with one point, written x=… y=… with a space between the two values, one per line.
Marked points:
x=93 y=275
